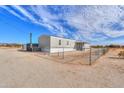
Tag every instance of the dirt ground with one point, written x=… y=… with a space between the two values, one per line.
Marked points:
x=24 y=70
x=73 y=57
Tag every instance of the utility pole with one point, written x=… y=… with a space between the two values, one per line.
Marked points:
x=31 y=41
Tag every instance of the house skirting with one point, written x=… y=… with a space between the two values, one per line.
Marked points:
x=54 y=50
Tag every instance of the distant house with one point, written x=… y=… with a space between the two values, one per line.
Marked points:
x=56 y=44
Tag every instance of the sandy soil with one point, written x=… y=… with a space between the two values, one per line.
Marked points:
x=72 y=57
x=23 y=69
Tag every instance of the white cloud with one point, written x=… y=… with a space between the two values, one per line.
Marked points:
x=88 y=20
x=47 y=19
x=24 y=12
x=12 y=12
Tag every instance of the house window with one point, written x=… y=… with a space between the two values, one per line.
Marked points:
x=59 y=42
x=67 y=42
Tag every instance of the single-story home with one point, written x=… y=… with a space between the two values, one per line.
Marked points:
x=53 y=44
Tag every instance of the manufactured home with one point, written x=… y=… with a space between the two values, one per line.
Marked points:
x=53 y=44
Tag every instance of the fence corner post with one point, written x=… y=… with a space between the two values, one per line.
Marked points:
x=63 y=52
x=90 y=63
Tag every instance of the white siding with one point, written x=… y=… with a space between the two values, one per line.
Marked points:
x=66 y=43
x=86 y=46
x=53 y=50
x=44 y=43
x=51 y=44
x=24 y=47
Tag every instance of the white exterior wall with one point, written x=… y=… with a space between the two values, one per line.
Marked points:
x=55 y=47
x=53 y=50
x=44 y=43
x=51 y=44
x=86 y=46
x=24 y=47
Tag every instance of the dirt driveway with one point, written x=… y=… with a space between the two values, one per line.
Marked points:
x=23 y=69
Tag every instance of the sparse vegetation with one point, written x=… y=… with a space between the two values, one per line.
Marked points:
x=108 y=46
x=11 y=45
x=98 y=46
x=115 y=46
x=121 y=54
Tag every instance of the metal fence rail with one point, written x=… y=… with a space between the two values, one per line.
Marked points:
x=86 y=57
x=96 y=53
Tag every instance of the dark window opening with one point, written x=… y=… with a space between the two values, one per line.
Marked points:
x=59 y=42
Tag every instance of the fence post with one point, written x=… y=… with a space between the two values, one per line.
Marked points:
x=63 y=52
x=99 y=52
x=104 y=51
x=58 y=52
x=49 y=52
x=90 y=60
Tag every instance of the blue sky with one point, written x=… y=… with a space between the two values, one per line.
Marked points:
x=94 y=24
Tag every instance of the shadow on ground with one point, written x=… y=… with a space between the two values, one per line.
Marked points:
x=116 y=57
x=20 y=50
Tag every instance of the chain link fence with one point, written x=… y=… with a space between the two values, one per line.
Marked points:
x=86 y=57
